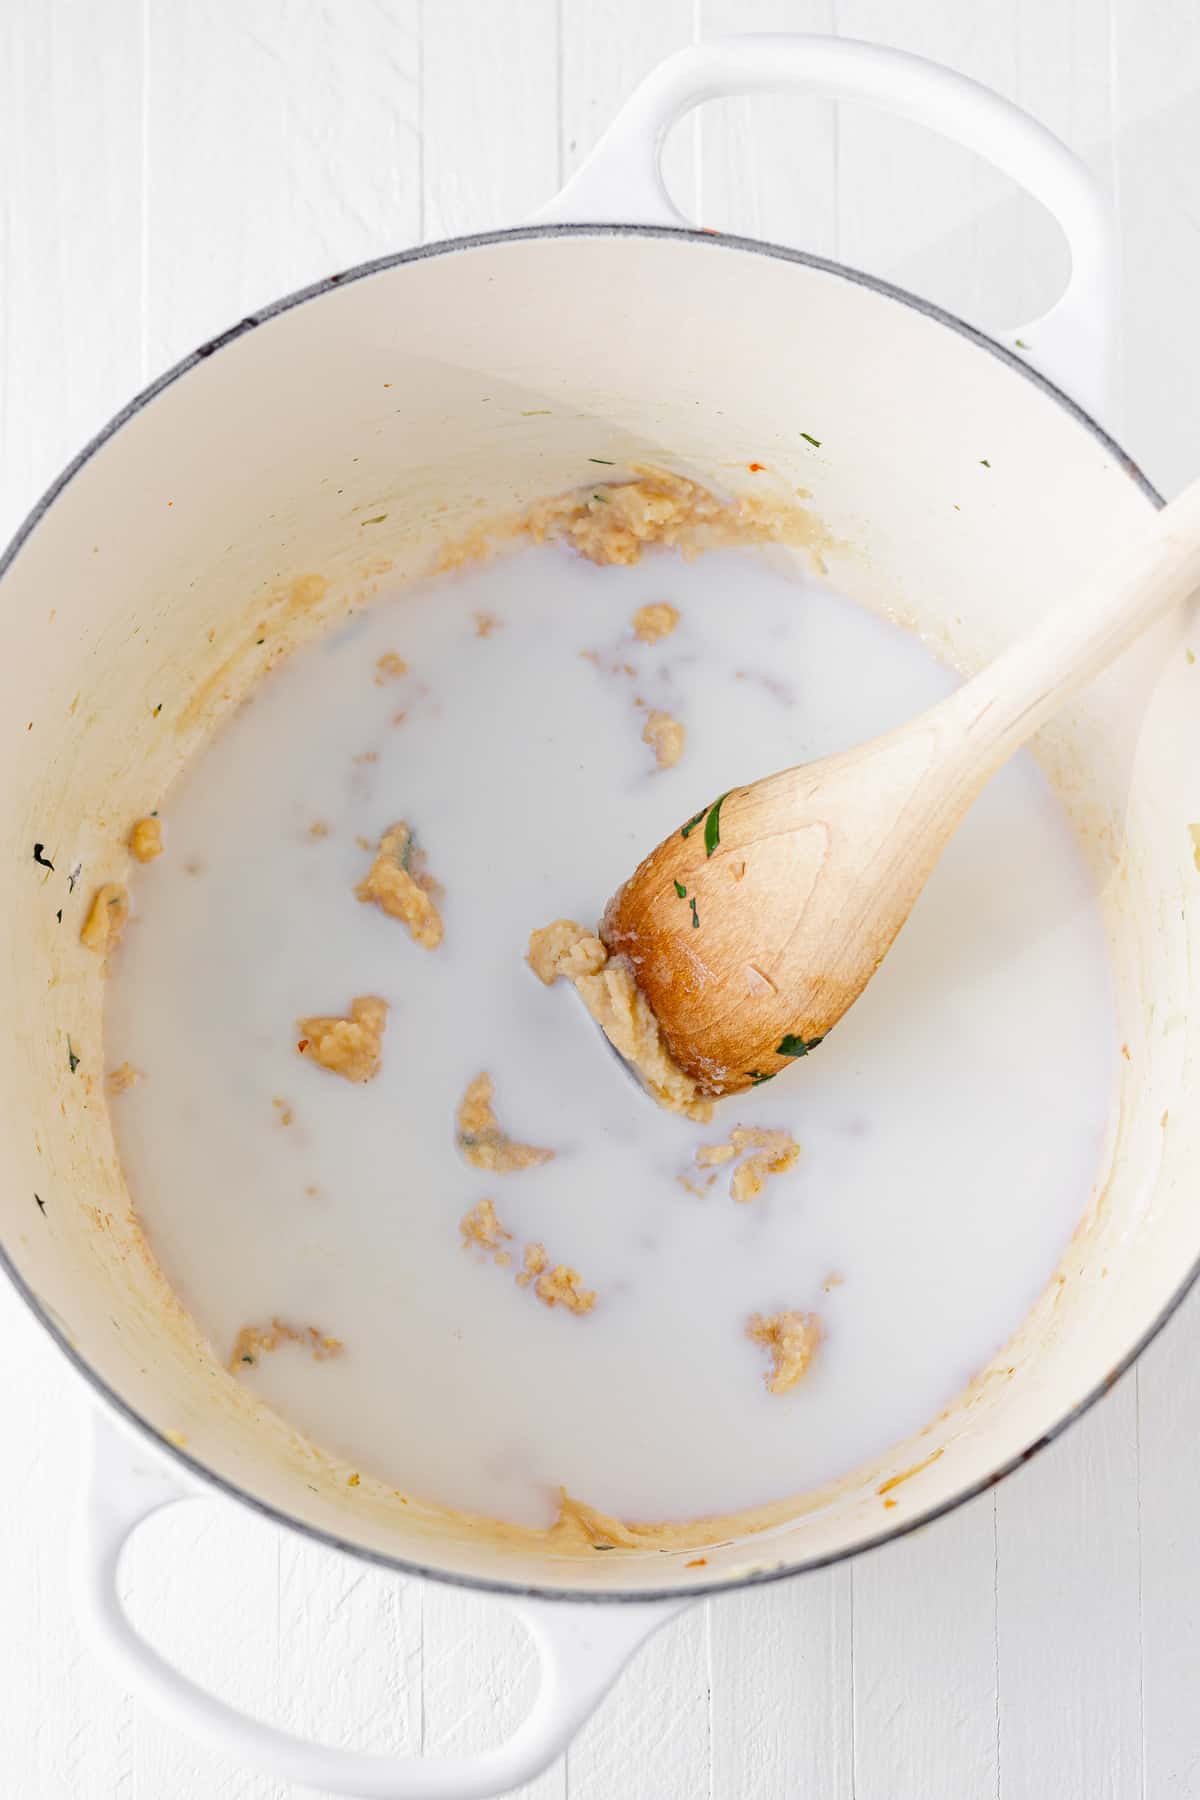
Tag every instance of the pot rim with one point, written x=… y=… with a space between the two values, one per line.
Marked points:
x=207 y=1477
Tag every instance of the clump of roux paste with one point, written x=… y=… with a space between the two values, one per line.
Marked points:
x=399 y=886
x=764 y=1151
x=666 y=737
x=655 y=621
x=533 y=1261
x=606 y=986
x=791 y=1338
x=351 y=1046
x=145 y=839
x=106 y=918
x=615 y=523
x=619 y=520
x=481 y=1230
x=253 y=1341
x=481 y=1139
x=559 y=1286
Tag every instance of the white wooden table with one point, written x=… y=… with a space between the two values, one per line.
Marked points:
x=166 y=167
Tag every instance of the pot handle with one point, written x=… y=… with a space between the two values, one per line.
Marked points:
x=583 y=1648
x=621 y=181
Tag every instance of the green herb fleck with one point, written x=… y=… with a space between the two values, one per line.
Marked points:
x=712 y=825
x=1021 y=344
x=73 y=877
x=695 y=914
x=41 y=1202
x=248 y=1359
x=681 y=890
x=156 y=710
x=377 y=520
x=604 y=1546
x=58 y=915
x=687 y=830
x=792 y=1045
x=72 y=1060
x=40 y=857
x=407 y=852
x=260 y=640
x=758 y=1076
x=606 y=460
x=602 y=498
x=984 y=463
x=810 y=439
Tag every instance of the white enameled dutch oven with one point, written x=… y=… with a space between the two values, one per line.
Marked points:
x=971 y=486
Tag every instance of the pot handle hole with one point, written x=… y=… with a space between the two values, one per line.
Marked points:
x=583 y=1648
x=621 y=181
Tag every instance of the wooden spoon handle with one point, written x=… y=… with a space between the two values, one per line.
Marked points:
x=998 y=709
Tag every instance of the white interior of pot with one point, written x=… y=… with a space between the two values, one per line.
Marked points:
x=442 y=392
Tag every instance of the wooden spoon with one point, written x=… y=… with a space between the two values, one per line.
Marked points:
x=755 y=926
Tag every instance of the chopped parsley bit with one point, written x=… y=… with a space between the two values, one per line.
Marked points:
x=156 y=710
x=260 y=640
x=606 y=460
x=73 y=877
x=58 y=915
x=756 y=1075
x=38 y=857
x=797 y=1046
x=377 y=520
x=681 y=890
x=712 y=825
x=72 y=1059
x=687 y=830
x=695 y=914
x=809 y=439
x=41 y=1202
x=1021 y=344
x=602 y=498
x=604 y=1546
x=984 y=463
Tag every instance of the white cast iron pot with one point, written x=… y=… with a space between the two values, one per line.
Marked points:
x=465 y=379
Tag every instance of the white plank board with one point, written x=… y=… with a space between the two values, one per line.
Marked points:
x=1156 y=49
x=1168 y=1396
x=489 y=114
x=782 y=1718
x=1068 y=1611
x=282 y=143
x=70 y=233
x=925 y=1662
x=167 y=168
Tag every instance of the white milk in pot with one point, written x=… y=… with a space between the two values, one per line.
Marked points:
x=609 y=1324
